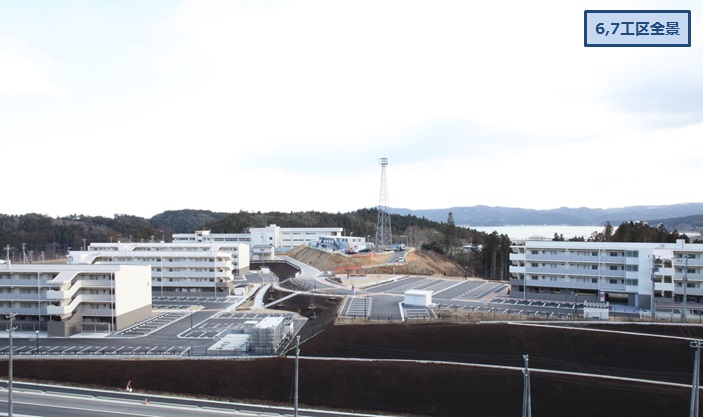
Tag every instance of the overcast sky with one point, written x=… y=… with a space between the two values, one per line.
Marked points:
x=138 y=107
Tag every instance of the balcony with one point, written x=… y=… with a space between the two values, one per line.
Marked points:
x=664 y=286
x=21 y=311
x=560 y=284
x=21 y=297
x=185 y=274
x=689 y=291
x=517 y=256
x=98 y=312
x=516 y=281
x=593 y=273
x=104 y=298
x=22 y=283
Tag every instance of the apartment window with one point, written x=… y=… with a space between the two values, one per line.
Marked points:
x=594 y=280
x=632 y=254
x=594 y=266
x=632 y=268
x=631 y=282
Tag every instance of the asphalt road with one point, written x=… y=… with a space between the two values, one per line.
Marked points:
x=54 y=401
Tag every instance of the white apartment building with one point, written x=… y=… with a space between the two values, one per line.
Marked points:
x=66 y=299
x=282 y=238
x=202 y=269
x=617 y=272
x=201 y=236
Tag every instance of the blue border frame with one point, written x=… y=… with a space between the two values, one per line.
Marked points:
x=585 y=29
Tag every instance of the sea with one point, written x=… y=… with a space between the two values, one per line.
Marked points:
x=545 y=232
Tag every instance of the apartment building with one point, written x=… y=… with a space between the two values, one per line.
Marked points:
x=617 y=272
x=263 y=239
x=202 y=269
x=67 y=299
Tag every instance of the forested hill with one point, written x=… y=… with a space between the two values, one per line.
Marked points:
x=39 y=233
x=688 y=223
x=503 y=216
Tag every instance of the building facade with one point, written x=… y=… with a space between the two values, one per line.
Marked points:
x=616 y=272
x=266 y=238
x=198 y=269
x=67 y=299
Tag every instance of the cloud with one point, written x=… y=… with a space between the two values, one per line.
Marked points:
x=20 y=74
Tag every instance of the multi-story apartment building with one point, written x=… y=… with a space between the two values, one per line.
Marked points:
x=264 y=240
x=66 y=299
x=618 y=272
x=204 y=269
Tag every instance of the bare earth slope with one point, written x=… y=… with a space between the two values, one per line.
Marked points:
x=426 y=389
x=417 y=262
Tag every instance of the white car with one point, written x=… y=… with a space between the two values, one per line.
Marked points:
x=401 y=259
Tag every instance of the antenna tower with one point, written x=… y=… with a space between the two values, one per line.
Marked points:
x=383 y=227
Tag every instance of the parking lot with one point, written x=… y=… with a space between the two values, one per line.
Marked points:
x=150 y=326
x=222 y=323
x=442 y=289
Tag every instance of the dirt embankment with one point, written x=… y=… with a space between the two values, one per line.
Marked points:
x=417 y=262
x=426 y=389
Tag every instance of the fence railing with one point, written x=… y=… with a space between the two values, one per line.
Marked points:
x=196 y=351
x=463 y=316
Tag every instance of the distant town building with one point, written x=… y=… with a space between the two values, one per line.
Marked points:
x=204 y=269
x=67 y=299
x=616 y=272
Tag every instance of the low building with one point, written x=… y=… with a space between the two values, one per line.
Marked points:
x=202 y=269
x=65 y=299
x=617 y=272
x=267 y=335
x=418 y=298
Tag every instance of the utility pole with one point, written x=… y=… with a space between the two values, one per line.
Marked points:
x=696 y=344
x=295 y=380
x=526 y=400
x=10 y=329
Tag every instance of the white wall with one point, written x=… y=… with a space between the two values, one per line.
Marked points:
x=132 y=288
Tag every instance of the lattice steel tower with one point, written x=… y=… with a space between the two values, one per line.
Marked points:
x=384 y=237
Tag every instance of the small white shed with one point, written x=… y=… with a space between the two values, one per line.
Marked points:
x=418 y=298
x=596 y=310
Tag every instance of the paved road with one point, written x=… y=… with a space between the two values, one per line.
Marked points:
x=55 y=401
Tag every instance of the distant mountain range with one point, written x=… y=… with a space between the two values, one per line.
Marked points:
x=583 y=216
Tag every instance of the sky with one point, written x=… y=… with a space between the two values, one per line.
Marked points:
x=138 y=107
